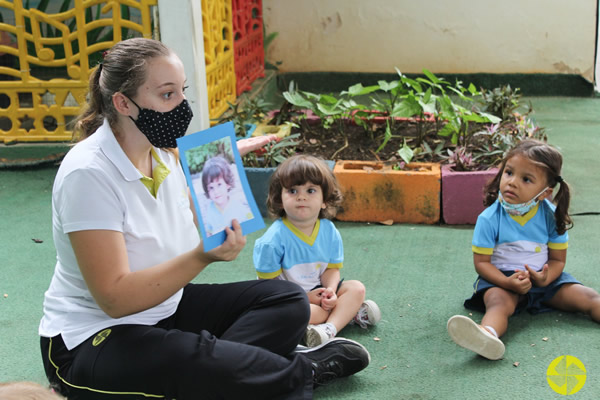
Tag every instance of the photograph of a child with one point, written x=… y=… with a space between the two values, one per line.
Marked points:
x=217 y=186
x=224 y=200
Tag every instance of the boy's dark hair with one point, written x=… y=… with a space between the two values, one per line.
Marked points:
x=550 y=160
x=124 y=70
x=215 y=168
x=298 y=170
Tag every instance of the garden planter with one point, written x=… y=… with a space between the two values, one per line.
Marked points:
x=374 y=192
x=258 y=179
x=380 y=117
x=462 y=194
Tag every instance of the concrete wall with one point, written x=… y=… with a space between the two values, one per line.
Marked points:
x=451 y=36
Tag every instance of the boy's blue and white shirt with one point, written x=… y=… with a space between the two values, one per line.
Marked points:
x=514 y=241
x=284 y=252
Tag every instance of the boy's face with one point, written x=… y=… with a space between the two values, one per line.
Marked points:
x=218 y=191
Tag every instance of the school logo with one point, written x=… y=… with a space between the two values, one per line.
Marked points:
x=99 y=338
x=566 y=375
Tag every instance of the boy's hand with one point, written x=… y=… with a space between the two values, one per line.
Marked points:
x=315 y=296
x=519 y=282
x=328 y=299
x=539 y=278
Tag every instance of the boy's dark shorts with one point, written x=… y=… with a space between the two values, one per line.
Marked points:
x=534 y=301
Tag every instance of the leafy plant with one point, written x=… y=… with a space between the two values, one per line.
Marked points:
x=273 y=153
x=196 y=157
x=244 y=113
x=502 y=101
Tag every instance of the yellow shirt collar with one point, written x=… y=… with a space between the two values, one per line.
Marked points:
x=159 y=174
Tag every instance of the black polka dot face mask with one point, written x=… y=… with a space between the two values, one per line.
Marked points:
x=163 y=128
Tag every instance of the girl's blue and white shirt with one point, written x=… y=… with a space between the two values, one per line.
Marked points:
x=514 y=241
x=284 y=252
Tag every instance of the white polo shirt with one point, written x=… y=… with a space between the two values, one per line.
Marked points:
x=97 y=187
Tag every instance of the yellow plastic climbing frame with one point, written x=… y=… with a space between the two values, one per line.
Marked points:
x=217 y=27
x=37 y=108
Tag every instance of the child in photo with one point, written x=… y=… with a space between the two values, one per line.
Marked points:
x=225 y=204
x=303 y=246
x=519 y=250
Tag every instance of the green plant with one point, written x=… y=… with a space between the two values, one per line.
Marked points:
x=502 y=101
x=268 y=39
x=197 y=156
x=244 y=113
x=273 y=153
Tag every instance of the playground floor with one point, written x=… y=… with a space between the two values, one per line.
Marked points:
x=418 y=274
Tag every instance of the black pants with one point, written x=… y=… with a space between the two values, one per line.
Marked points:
x=227 y=341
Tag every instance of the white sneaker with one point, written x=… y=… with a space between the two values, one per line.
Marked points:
x=368 y=314
x=466 y=333
x=318 y=334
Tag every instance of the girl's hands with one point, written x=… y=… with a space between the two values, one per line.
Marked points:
x=245 y=146
x=519 y=282
x=315 y=296
x=229 y=249
x=328 y=299
x=539 y=278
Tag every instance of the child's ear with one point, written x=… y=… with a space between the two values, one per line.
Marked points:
x=547 y=194
x=324 y=206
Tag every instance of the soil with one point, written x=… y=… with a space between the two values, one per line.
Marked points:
x=353 y=142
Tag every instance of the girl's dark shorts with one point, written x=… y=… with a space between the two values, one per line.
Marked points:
x=336 y=290
x=534 y=301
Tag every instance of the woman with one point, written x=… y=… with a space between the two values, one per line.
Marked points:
x=121 y=318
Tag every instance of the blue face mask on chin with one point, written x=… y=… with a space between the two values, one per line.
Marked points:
x=519 y=209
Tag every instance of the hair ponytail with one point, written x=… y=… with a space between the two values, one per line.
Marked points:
x=91 y=117
x=562 y=199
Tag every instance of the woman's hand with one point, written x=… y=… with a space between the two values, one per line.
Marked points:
x=245 y=146
x=230 y=248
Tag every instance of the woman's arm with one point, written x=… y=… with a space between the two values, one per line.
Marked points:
x=102 y=259
x=245 y=146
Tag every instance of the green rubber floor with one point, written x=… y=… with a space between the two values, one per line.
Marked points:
x=419 y=275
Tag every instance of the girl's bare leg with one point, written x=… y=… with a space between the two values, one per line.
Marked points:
x=577 y=298
x=499 y=305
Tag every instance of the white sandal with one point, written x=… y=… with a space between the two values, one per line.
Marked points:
x=466 y=333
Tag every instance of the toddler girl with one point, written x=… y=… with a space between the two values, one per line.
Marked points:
x=303 y=246
x=520 y=249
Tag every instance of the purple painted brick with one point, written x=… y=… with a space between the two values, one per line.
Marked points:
x=462 y=194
